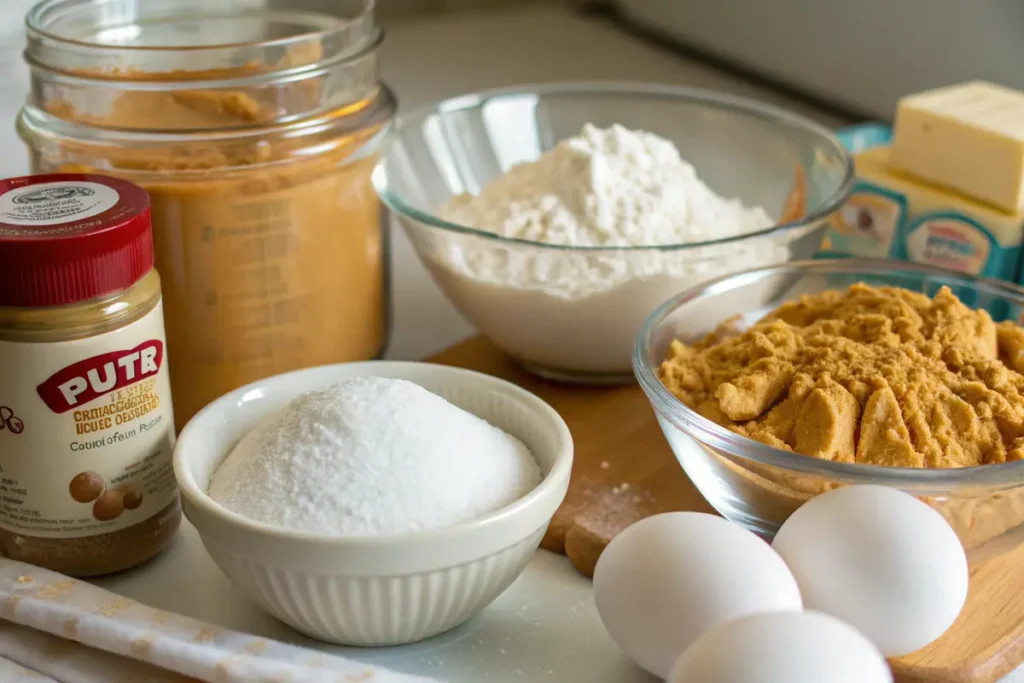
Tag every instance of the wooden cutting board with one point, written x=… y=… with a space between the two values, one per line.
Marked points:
x=624 y=471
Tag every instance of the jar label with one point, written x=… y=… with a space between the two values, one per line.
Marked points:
x=58 y=202
x=86 y=432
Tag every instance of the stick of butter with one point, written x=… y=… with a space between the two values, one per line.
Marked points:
x=968 y=138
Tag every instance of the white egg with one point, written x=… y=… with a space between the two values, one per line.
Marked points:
x=794 y=647
x=665 y=580
x=880 y=560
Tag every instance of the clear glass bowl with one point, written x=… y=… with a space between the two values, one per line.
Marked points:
x=759 y=486
x=571 y=314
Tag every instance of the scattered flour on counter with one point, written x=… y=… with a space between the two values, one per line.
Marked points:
x=611 y=187
x=373 y=456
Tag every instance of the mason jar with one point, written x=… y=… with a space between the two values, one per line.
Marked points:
x=254 y=126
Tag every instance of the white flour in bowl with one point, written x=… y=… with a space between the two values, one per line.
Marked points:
x=610 y=187
x=579 y=311
x=373 y=456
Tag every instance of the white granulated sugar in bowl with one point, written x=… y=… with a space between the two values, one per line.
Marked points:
x=614 y=188
x=372 y=456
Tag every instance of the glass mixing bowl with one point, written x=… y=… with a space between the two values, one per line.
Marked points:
x=572 y=313
x=759 y=486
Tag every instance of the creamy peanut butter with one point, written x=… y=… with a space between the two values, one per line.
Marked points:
x=86 y=417
x=270 y=246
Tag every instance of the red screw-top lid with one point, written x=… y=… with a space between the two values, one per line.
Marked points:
x=70 y=237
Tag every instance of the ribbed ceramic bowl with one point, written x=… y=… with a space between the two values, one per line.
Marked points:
x=375 y=590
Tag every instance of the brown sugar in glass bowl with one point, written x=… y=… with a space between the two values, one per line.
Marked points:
x=757 y=484
x=871 y=375
x=85 y=399
x=254 y=130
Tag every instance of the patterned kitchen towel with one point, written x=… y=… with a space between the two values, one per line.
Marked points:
x=63 y=630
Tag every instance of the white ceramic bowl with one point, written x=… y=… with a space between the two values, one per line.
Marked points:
x=375 y=590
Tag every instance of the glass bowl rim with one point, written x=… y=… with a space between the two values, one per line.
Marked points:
x=701 y=96
x=710 y=433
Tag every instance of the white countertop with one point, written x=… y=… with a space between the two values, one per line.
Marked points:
x=545 y=627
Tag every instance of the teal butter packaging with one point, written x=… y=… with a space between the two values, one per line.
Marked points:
x=893 y=215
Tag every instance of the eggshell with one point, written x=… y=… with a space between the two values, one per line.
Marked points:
x=665 y=580
x=880 y=560
x=796 y=647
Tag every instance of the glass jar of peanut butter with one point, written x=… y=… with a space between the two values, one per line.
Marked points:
x=253 y=125
x=86 y=419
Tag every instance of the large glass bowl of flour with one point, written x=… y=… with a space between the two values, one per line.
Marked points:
x=556 y=218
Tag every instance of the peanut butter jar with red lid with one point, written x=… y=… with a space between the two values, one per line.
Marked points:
x=86 y=419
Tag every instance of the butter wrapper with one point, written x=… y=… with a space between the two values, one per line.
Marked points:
x=892 y=215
